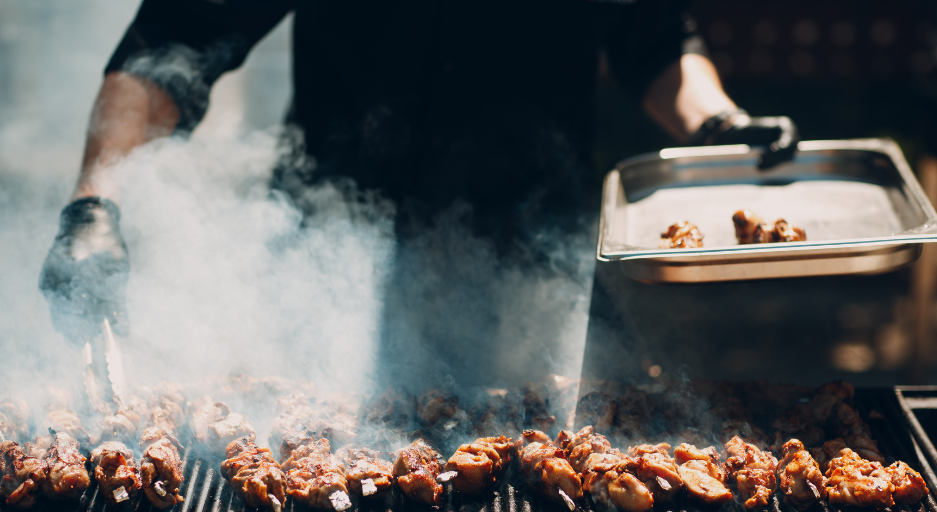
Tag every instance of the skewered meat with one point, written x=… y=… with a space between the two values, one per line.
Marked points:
x=254 y=474
x=801 y=481
x=215 y=426
x=116 y=472
x=161 y=468
x=909 y=486
x=854 y=481
x=545 y=467
x=314 y=476
x=124 y=425
x=292 y=421
x=416 y=469
x=682 y=235
x=603 y=473
x=753 y=471
x=751 y=229
x=702 y=474
x=66 y=476
x=480 y=463
x=21 y=475
x=14 y=420
x=368 y=474
x=596 y=409
x=654 y=466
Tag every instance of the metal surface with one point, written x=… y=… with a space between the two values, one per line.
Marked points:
x=862 y=209
x=205 y=491
x=104 y=376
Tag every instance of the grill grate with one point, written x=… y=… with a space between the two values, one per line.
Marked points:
x=205 y=491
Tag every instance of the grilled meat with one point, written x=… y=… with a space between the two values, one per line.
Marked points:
x=596 y=409
x=254 y=474
x=14 y=420
x=753 y=471
x=161 y=468
x=654 y=466
x=545 y=467
x=368 y=473
x=480 y=463
x=603 y=472
x=416 y=469
x=854 y=481
x=702 y=474
x=215 y=426
x=66 y=476
x=124 y=425
x=116 y=472
x=682 y=235
x=751 y=229
x=316 y=477
x=21 y=476
x=801 y=481
x=295 y=414
x=909 y=486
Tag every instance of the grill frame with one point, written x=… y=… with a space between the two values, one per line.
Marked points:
x=888 y=412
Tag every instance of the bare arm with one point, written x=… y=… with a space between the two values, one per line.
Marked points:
x=685 y=95
x=128 y=112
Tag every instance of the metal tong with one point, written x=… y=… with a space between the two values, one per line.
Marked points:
x=104 y=376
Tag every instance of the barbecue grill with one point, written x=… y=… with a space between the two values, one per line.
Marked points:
x=899 y=419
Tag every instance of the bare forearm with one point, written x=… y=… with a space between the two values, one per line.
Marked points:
x=685 y=95
x=128 y=112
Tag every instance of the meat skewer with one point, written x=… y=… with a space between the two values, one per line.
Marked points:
x=546 y=469
x=479 y=464
x=21 y=475
x=368 y=474
x=254 y=474
x=654 y=466
x=66 y=476
x=161 y=465
x=214 y=426
x=603 y=471
x=854 y=481
x=116 y=472
x=416 y=469
x=315 y=476
x=702 y=474
x=753 y=471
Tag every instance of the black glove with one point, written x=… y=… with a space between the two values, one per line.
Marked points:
x=779 y=134
x=84 y=277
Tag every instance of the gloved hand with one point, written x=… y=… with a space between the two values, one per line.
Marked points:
x=84 y=276
x=779 y=134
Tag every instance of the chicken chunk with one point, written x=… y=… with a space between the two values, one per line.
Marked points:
x=702 y=474
x=654 y=466
x=254 y=474
x=545 y=467
x=480 y=463
x=160 y=468
x=682 y=235
x=316 y=477
x=116 y=472
x=801 y=481
x=368 y=474
x=21 y=476
x=753 y=471
x=67 y=477
x=854 y=481
x=416 y=469
x=910 y=487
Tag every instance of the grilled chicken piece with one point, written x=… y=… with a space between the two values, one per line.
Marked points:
x=910 y=488
x=751 y=229
x=116 y=472
x=124 y=425
x=799 y=476
x=854 y=481
x=215 y=426
x=753 y=471
x=368 y=474
x=480 y=463
x=67 y=477
x=603 y=473
x=67 y=421
x=295 y=415
x=416 y=469
x=654 y=466
x=254 y=474
x=316 y=477
x=545 y=467
x=14 y=420
x=21 y=476
x=161 y=468
x=702 y=474
x=682 y=235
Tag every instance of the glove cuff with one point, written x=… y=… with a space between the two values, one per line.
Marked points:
x=713 y=127
x=88 y=210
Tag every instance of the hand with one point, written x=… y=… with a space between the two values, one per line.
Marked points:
x=779 y=134
x=84 y=276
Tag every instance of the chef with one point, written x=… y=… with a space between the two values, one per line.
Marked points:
x=430 y=103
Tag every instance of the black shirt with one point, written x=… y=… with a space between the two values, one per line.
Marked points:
x=428 y=101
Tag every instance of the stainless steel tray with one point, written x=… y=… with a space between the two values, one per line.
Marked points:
x=862 y=209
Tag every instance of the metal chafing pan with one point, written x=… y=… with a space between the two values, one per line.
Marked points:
x=862 y=209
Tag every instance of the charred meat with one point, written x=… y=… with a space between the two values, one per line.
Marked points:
x=161 y=468
x=753 y=471
x=751 y=229
x=480 y=463
x=116 y=472
x=854 y=481
x=546 y=469
x=316 y=477
x=682 y=235
x=254 y=474
x=215 y=426
x=21 y=476
x=799 y=476
x=368 y=474
x=416 y=469
x=654 y=466
x=66 y=476
x=603 y=472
